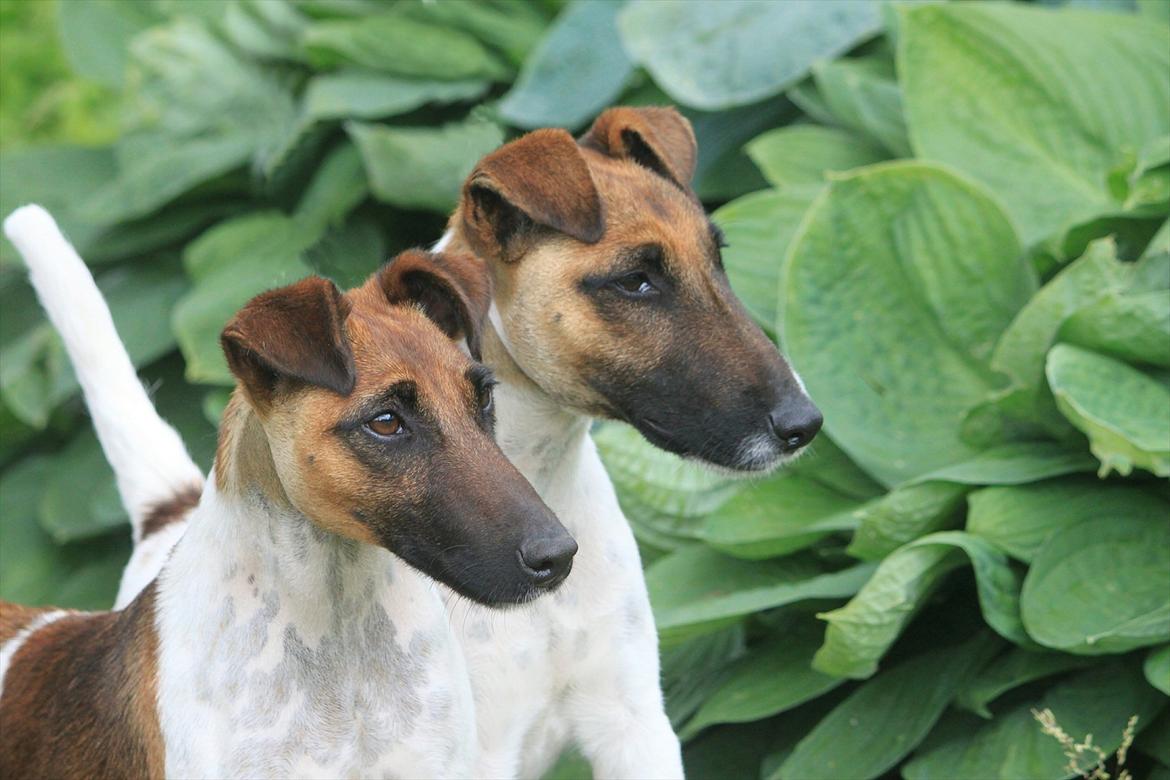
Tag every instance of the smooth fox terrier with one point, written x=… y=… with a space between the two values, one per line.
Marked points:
x=290 y=632
x=611 y=301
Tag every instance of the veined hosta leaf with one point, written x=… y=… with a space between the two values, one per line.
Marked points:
x=1129 y=327
x=360 y=94
x=1013 y=464
x=393 y=43
x=861 y=632
x=780 y=515
x=773 y=677
x=1100 y=587
x=903 y=515
x=896 y=254
x=274 y=245
x=718 y=55
x=801 y=155
x=864 y=96
x=1019 y=518
x=422 y=167
x=578 y=69
x=1097 y=701
x=886 y=718
x=1157 y=668
x=697 y=590
x=976 y=74
x=1125 y=413
x=1014 y=668
x=759 y=228
x=828 y=464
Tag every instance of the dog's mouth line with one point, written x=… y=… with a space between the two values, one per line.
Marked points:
x=661 y=436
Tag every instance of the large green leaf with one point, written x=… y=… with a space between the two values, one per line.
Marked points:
x=1019 y=518
x=422 y=167
x=1097 y=701
x=801 y=155
x=887 y=717
x=1014 y=668
x=95 y=35
x=1134 y=328
x=773 y=677
x=578 y=69
x=759 y=228
x=778 y=516
x=696 y=590
x=360 y=94
x=693 y=670
x=1026 y=101
x=1157 y=668
x=1100 y=587
x=903 y=515
x=894 y=255
x=394 y=43
x=274 y=245
x=864 y=96
x=511 y=27
x=862 y=631
x=717 y=55
x=266 y=30
x=1013 y=464
x=1124 y=412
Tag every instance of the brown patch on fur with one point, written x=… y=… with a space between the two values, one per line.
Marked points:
x=660 y=139
x=173 y=510
x=539 y=179
x=14 y=618
x=80 y=698
x=453 y=290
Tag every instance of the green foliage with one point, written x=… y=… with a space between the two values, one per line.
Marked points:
x=954 y=218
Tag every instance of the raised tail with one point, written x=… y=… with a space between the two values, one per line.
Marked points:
x=155 y=475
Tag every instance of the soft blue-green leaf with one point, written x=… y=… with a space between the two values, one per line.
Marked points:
x=887 y=717
x=577 y=70
x=1019 y=518
x=338 y=186
x=1100 y=587
x=1124 y=412
x=1014 y=668
x=360 y=94
x=95 y=35
x=1097 y=701
x=348 y=253
x=864 y=96
x=1157 y=668
x=422 y=167
x=1013 y=464
x=894 y=255
x=1134 y=328
x=801 y=155
x=512 y=28
x=903 y=515
x=716 y=55
x=1074 y=91
x=696 y=590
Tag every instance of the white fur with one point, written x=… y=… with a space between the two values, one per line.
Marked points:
x=288 y=652
x=9 y=648
x=149 y=459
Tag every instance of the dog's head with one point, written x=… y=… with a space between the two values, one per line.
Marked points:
x=380 y=427
x=611 y=290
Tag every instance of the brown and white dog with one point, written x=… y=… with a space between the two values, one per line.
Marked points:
x=610 y=300
x=290 y=633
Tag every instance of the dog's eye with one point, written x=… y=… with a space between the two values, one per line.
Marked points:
x=635 y=285
x=386 y=424
x=486 y=399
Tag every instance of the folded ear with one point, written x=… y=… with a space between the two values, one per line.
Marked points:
x=454 y=290
x=538 y=179
x=660 y=139
x=291 y=334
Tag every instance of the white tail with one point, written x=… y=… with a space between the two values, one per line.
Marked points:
x=149 y=459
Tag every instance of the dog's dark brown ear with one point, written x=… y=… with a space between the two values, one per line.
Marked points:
x=660 y=139
x=291 y=334
x=454 y=290
x=539 y=179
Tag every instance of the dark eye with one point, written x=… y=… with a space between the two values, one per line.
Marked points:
x=486 y=399
x=386 y=425
x=635 y=285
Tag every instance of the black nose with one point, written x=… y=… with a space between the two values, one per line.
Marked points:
x=795 y=423
x=547 y=560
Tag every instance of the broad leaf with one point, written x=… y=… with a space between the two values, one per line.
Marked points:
x=696 y=590
x=693 y=670
x=864 y=96
x=1125 y=413
x=1157 y=669
x=95 y=35
x=1098 y=701
x=1019 y=518
x=903 y=515
x=1012 y=464
x=359 y=94
x=1066 y=610
x=887 y=717
x=718 y=55
x=801 y=155
x=913 y=255
x=577 y=70
x=422 y=167
x=1047 y=81
x=1133 y=328
x=1014 y=668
